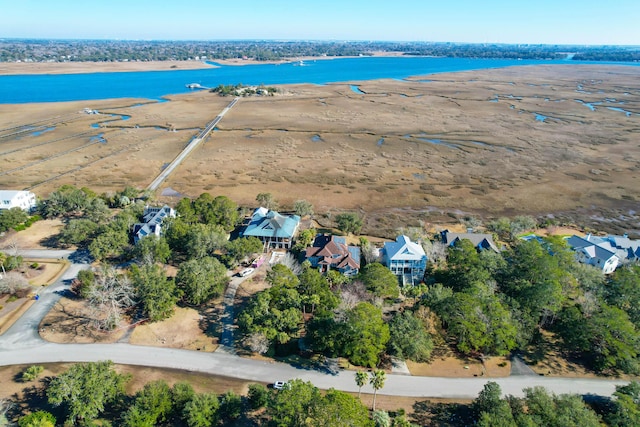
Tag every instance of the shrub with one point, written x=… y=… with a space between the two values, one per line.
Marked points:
x=12 y=262
x=39 y=418
x=82 y=285
x=32 y=219
x=32 y=373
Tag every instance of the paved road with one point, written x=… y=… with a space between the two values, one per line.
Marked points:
x=21 y=344
x=24 y=332
x=233 y=366
x=226 y=339
x=45 y=253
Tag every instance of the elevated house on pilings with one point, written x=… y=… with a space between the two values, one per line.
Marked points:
x=276 y=231
x=406 y=259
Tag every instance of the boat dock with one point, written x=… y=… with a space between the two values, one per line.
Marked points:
x=190 y=147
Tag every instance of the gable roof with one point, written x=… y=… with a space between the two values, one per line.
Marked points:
x=152 y=217
x=403 y=249
x=479 y=240
x=333 y=250
x=592 y=247
x=595 y=251
x=155 y=215
x=271 y=224
x=577 y=242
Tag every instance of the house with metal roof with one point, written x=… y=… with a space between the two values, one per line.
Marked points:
x=24 y=200
x=276 y=231
x=595 y=251
x=329 y=252
x=480 y=240
x=405 y=259
x=626 y=249
x=153 y=217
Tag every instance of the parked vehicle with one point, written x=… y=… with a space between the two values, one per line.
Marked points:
x=246 y=272
x=279 y=385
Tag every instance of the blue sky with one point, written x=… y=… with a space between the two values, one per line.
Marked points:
x=542 y=21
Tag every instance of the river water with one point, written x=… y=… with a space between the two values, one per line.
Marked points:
x=18 y=89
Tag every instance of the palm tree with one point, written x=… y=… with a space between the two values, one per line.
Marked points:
x=361 y=379
x=377 y=382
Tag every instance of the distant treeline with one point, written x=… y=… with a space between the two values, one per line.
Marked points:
x=12 y=50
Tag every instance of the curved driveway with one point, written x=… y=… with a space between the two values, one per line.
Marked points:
x=21 y=344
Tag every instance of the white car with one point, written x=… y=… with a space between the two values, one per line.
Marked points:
x=246 y=272
x=279 y=385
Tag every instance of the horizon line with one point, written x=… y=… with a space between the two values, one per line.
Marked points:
x=265 y=40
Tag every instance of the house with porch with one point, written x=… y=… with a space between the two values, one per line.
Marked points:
x=276 y=231
x=24 y=200
x=153 y=218
x=332 y=252
x=405 y=259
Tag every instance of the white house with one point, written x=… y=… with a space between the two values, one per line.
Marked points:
x=24 y=200
x=405 y=259
x=595 y=251
x=153 y=217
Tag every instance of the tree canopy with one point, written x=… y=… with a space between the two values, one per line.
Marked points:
x=85 y=389
x=537 y=408
x=365 y=335
x=300 y=404
x=156 y=292
x=151 y=406
x=239 y=249
x=10 y=218
x=349 y=222
x=379 y=280
x=409 y=338
x=201 y=279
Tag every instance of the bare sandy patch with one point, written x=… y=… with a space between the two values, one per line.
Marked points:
x=69 y=321
x=453 y=367
x=559 y=231
x=34 y=236
x=182 y=330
